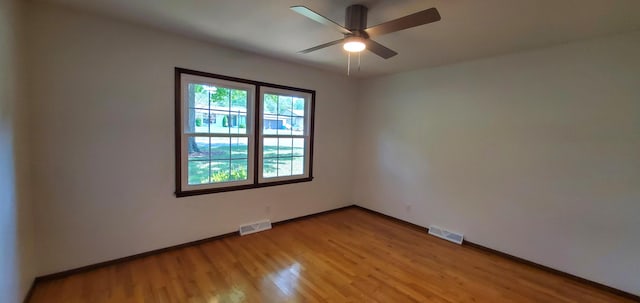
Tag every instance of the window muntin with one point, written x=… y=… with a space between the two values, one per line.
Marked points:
x=236 y=134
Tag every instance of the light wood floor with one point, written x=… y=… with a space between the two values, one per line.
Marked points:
x=345 y=256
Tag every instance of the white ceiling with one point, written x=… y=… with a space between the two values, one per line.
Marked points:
x=469 y=29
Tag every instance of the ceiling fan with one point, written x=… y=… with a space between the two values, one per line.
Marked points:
x=357 y=36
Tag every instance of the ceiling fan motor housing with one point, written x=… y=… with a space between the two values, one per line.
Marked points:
x=356 y=20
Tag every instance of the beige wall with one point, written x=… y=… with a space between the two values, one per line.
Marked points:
x=535 y=154
x=17 y=266
x=102 y=118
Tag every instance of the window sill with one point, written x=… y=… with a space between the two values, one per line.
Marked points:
x=187 y=193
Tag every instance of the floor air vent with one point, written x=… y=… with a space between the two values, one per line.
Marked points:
x=445 y=234
x=250 y=228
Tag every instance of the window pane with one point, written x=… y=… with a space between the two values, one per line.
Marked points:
x=298 y=128
x=284 y=147
x=221 y=148
x=270 y=105
x=298 y=147
x=284 y=167
x=239 y=100
x=298 y=107
x=239 y=169
x=298 y=166
x=219 y=120
x=272 y=123
x=198 y=148
x=270 y=147
x=220 y=171
x=297 y=117
x=198 y=172
x=237 y=122
x=270 y=168
x=285 y=105
x=199 y=95
x=285 y=125
x=239 y=148
x=196 y=120
x=220 y=97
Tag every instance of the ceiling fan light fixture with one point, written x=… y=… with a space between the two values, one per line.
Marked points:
x=354 y=44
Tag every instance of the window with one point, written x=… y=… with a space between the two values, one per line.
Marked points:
x=234 y=134
x=284 y=134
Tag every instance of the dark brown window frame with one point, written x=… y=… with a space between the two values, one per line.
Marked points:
x=180 y=192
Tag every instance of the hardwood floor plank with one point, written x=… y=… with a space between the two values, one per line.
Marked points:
x=346 y=256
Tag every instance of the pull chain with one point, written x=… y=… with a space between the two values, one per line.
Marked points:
x=359 y=61
x=348 y=63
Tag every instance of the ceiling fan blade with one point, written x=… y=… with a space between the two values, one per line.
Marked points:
x=379 y=49
x=419 y=18
x=305 y=11
x=315 y=48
